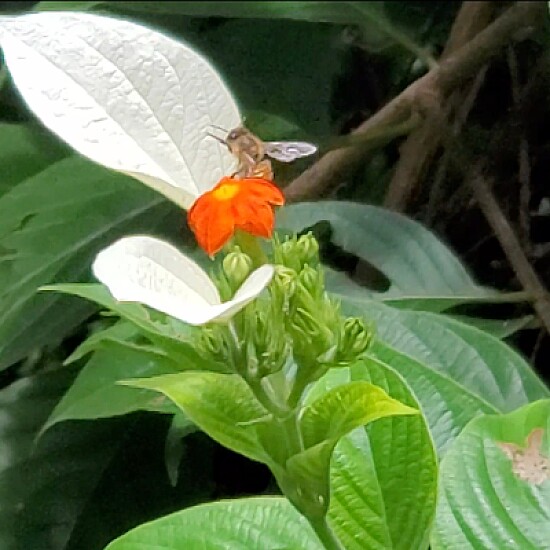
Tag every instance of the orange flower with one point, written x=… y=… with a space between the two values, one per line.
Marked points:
x=244 y=204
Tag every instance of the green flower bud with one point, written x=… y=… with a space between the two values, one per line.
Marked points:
x=284 y=281
x=237 y=266
x=311 y=337
x=355 y=338
x=295 y=252
x=289 y=256
x=313 y=283
x=307 y=248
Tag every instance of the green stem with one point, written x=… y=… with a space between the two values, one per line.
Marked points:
x=250 y=245
x=292 y=434
x=296 y=392
x=265 y=399
x=325 y=533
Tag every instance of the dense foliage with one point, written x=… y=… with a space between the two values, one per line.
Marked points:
x=419 y=397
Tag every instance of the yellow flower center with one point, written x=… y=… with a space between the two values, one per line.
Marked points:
x=225 y=191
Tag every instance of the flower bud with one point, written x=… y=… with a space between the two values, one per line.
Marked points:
x=312 y=281
x=237 y=267
x=284 y=280
x=295 y=252
x=355 y=338
x=289 y=256
x=307 y=248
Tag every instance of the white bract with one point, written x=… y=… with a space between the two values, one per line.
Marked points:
x=124 y=96
x=150 y=271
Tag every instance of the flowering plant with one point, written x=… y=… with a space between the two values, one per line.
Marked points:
x=254 y=351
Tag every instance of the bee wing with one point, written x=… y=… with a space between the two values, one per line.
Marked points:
x=287 y=151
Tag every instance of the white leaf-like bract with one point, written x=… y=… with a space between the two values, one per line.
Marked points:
x=125 y=96
x=152 y=272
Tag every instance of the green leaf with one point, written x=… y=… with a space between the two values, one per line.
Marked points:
x=96 y=394
x=171 y=335
x=447 y=404
x=24 y=151
x=175 y=447
x=43 y=488
x=222 y=405
x=383 y=476
x=498 y=328
x=305 y=99
x=121 y=332
x=67 y=6
x=327 y=419
x=420 y=268
x=52 y=226
x=456 y=371
x=84 y=483
x=319 y=12
x=345 y=408
x=480 y=362
x=267 y=522
x=370 y=16
x=495 y=492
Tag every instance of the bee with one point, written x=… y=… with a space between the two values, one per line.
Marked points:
x=251 y=152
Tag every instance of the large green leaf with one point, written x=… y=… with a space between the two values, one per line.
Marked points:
x=267 y=522
x=497 y=327
x=43 y=488
x=379 y=31
x=96 y=394
x=447 y=404
x=220 y=404
x=84 y=483
x=68 y=6
x=317 y=12
x=383 y=477
x=455 y=370
x=172 y=335
x=255 y=59
x=51 y=227
x=420 y=268
x=480 y=362
x=345 y=408
x=495 y=483
x=24 y=151
x=326 y=420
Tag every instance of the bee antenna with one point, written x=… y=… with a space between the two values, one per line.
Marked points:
x=216 y=138
x=219 y=128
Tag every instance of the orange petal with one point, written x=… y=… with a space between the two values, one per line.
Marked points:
x=263 y=190
x=212 y=223
x=254 y=217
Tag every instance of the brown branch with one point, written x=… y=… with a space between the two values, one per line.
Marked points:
x=517 y=23
x=462 y=115
x=524 y=173
x=420 y=148
x=510 y=245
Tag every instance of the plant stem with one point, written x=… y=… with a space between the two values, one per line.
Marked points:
x=325 y=533
x=265 y=399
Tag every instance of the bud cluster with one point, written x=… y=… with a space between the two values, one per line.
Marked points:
x=298 y=322
x=321 y=337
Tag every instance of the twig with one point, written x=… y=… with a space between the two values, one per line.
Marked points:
x=524 y=170
x=517 y=23
x=420 y=148
x=459 y=122
x=511 y=245
x=536 y=347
